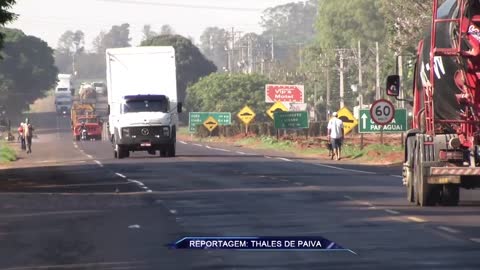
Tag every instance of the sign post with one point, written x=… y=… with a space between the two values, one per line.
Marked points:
x=246 y=115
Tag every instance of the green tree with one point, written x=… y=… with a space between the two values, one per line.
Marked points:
x=117 y=37
x=220 y=92
x=27 y=71
x=191 y=63
x=406 y=22
x=214 y=43
x=147 y=32
x=167 y=29
x=288 y=28
x=5 y=15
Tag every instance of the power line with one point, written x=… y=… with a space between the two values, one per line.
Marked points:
x=174 y=5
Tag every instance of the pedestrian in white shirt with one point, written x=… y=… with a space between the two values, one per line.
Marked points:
x=335 y=135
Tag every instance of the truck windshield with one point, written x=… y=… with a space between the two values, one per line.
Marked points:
x=62 y=89
x=146 y=106
x=64 y=102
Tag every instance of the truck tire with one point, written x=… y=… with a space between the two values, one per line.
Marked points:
x=450 y=195
x=171 y=150
x=121 y=152
x=425 y=194
x=410 y=150
x=77 y=138
x=163 y=152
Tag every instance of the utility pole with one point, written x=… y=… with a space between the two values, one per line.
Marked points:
x=342 y=86
x=377 y=88
x=328 y=88
x=360 y=80
x=400 y=73
x=273 y=49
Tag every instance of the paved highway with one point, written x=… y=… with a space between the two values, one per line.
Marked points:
x=72 y=206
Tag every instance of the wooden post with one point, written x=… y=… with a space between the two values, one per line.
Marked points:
x=277 y=134
x=361 y=141
x=402 y=141
x=381 y=135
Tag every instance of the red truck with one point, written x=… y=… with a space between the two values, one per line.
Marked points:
x=93 y=125
x=442 y=152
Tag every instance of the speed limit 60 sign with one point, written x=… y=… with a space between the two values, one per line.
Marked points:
x=382 y=112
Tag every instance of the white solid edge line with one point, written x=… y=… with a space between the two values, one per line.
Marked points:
x=416 y=219
x=343 y=169
x=207 y=146
x=397 y=176
x=182 y=142
x=447 y=229
x=196 y=144
x=121 y=175
x=393 y=212
x=99 y=163
x=284 y=159
x=348 y=197
x=268 y=157
x=90 y=156
x=241 y=153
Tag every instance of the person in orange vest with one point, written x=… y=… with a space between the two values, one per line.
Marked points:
x=21 y=136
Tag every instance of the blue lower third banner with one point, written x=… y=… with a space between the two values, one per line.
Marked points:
x=258 y=243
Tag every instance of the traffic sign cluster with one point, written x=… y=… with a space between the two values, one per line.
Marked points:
x=289 y=111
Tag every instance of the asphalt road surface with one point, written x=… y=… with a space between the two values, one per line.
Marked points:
x=72 y=206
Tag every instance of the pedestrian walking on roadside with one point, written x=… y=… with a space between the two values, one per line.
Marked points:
x=28 y=131
x=21 y=136
x=335 y=135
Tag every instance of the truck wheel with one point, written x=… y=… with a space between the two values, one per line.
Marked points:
x=77 y=138
x=163 y=152
x=120 y=151
x=450 y=195
x=171 y=151
x=409 y=172
x=425 y=194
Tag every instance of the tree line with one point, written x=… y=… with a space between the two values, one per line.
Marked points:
x=300 y=43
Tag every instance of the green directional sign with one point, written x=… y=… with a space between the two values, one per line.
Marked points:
x=290 y=120
x=198 y=118
x=398 y=124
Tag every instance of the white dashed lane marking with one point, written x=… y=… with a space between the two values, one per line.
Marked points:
x=447 y=229
x=120 y=175
x=393 y=212
x=416 y=219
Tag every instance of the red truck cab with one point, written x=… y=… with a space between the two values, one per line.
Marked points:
x=93 y=124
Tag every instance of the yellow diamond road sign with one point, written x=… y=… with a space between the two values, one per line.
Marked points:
x=210 y=123
x=277 y=106
x=349 y=121
x=246 y=115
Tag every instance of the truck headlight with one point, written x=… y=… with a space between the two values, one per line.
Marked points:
x=125 y=132
x=166 y=131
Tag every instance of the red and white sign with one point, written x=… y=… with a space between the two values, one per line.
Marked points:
x=284 y=93
x=382 y=112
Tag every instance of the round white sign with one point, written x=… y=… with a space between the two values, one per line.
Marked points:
x=382 y=112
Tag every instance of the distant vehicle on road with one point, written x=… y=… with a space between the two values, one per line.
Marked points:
x=87 y=93
x=64 y=85
x=100 y=88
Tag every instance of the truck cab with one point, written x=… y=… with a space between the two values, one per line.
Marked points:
x=145 y=123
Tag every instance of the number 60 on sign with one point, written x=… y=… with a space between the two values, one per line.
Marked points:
x=382 y=112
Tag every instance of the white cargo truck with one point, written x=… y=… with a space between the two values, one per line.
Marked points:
x=64 y=85
x=63 y=94
x=142 y=100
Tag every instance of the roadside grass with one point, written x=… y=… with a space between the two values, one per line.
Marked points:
x=183 y=131
x=7 y=154
x=370 y=153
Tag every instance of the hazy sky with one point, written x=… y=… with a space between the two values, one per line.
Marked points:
x=48 y=19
